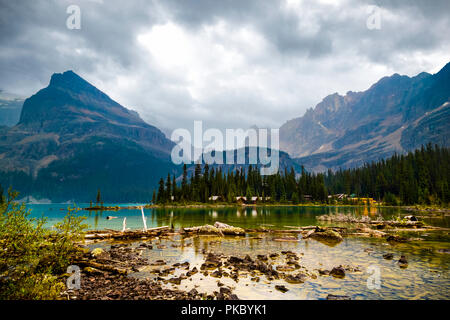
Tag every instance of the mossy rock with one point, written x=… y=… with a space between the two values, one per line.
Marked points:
x=328 y=235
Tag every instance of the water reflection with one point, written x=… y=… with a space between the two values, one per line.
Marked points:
x=246 y=217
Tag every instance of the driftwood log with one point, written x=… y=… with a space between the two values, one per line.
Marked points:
x=128 y=234
x=99 y=266
x=218 y=228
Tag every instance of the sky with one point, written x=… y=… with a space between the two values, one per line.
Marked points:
x=228 y=63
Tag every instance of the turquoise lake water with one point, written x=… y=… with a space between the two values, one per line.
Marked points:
x=246 y=217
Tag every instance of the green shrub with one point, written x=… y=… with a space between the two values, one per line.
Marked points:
x=32 y=257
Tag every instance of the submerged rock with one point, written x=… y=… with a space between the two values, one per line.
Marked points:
x=388 y=256
x=192 y=272
x=262 y=257
x=175 y=280
x=295 y=279
x=158 y=263
x=285 y=268
x=402 y=262
x=281 y=288
x=323 y=272
x=234 y=260
x=217 y=274
x=338 y=272
x=395 y=238
x=274 y=255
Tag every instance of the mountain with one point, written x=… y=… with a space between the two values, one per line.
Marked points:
x=397 y=114
x=10 y=108
x=72 y=139
x=285 y=162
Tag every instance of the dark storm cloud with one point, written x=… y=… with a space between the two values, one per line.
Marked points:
x=262 y=61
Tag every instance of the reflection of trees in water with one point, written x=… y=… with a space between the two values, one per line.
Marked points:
x=97 y=214
x=251 y=217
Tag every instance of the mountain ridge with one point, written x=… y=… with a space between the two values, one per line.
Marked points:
x=347 y=131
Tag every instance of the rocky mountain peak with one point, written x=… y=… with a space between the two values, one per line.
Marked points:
x=396 y=114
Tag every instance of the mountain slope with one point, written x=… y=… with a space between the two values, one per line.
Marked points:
x=396 y=114
x=72 y=139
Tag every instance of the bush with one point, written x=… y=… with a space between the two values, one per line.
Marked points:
x=32 y=257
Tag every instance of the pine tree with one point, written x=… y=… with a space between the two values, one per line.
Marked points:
x=295 y=199
x=161 y=195
x=418 y=177
x=168 y=190
x=174 y=189
x=184 y=183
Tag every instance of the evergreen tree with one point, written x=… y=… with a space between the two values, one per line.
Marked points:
x=174 y=189
x=161 y=195
x=184 y=184
x=168 y=190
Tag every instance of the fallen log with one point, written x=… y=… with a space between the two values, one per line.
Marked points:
x=373 y=233
x=128 y=234
x=92 y=264
x=218 y=228
x=286 y=239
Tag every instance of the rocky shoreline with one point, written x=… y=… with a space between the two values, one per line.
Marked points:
x=106 y=273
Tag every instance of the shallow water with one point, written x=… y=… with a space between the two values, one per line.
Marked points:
x=426 y=276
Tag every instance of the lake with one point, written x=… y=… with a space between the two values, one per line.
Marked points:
x=426 y=276
x=246 y=217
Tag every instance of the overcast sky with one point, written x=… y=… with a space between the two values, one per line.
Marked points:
x=230 y=63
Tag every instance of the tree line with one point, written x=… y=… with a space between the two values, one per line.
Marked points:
x=419 y=177
x=206 y=182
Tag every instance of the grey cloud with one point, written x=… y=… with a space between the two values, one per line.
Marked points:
x=320 y=49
